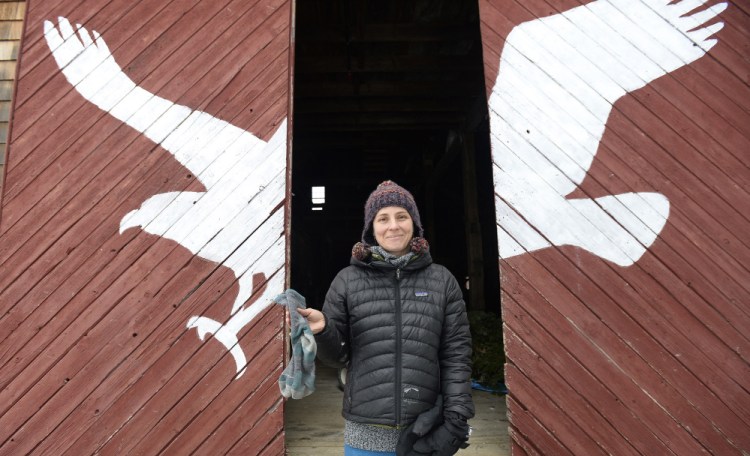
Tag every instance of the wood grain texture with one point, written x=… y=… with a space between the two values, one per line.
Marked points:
x=11 y=26
x=94 y=337
x=652 y=357
x=602 y=359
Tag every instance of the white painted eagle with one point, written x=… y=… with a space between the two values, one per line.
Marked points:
x=244 y=177
x=558 y=80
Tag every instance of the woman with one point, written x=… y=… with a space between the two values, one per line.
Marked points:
x=398 y=322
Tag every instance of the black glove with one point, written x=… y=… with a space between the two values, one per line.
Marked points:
x=444 y=440
x=425 y=422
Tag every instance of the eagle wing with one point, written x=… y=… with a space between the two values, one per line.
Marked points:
x=204 y=144
x=560 y=76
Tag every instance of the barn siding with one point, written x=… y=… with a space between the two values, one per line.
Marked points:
x=95 y=350
x=604 y=357
x=646 y=352
x=11 y=26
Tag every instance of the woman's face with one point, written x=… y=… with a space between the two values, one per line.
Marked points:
x=393 y=229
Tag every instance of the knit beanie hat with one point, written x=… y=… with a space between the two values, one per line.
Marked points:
x=388 y=193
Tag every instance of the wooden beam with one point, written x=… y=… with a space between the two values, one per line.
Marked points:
x=380 y=88
x=390 y=33
x=403 y=63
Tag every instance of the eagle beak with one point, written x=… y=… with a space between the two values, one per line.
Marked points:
x=129 y=221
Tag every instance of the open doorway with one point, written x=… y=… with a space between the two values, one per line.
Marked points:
x=391 y=90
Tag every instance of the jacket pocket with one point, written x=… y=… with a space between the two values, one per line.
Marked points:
x=348 y=392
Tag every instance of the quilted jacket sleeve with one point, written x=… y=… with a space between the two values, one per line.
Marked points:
x=455 y=354
x=333 y=341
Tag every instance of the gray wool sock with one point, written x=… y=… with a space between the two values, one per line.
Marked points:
x=298 y=378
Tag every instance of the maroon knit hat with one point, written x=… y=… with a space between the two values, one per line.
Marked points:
x=388 y=193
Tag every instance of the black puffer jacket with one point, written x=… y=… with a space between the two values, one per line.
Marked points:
x=405 y=337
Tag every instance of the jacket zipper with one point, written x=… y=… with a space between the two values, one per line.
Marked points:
x=398 y=348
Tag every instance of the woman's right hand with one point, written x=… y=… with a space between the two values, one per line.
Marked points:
x=314 y=318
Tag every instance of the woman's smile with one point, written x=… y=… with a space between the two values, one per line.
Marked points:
x=393 y=228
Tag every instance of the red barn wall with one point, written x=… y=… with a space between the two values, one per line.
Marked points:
x=631 y=345
x=120 y=244
x=626 y=332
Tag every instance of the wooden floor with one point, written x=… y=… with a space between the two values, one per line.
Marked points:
x=314 y=425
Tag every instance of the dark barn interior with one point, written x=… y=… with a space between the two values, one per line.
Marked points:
x=391 y=90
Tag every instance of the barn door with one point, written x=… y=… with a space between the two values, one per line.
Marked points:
x=143 y=229
x=619 y=140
